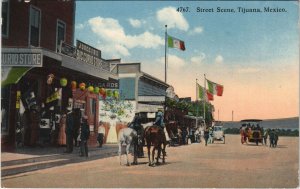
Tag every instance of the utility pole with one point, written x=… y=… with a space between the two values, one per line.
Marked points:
x=232 y=115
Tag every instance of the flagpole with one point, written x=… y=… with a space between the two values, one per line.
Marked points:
x=166 y=37
x=197 y=96
x=196 y=90
x=204 y=99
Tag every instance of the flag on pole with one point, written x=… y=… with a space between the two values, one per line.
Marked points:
x=215 y=88
x=202 y=95
x=175 y=43
x=209 y=96
x=200 y=92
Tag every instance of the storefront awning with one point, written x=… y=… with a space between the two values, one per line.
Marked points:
x=13 y=74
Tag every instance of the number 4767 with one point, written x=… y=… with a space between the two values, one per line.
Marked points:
x=183 y=9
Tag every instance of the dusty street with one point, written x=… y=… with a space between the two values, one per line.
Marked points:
x=230 y=165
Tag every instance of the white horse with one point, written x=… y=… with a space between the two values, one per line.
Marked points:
x=128 y=137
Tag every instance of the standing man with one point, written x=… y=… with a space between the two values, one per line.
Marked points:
x=101 y=134
x=136 y=125
x=69 y=131
x=206 y=135
x=84 y=136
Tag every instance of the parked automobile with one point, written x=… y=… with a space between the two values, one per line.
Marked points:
x=218 y=133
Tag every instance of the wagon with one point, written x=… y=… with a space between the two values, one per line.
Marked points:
x=252 y=130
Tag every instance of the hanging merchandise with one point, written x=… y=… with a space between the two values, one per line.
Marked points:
x=109 y=93
x=102 y=91
x=50 y=78
x=82 y=86
x=116 y=94
x=96 y=90
x=91 y=89
x=63 y=82
x=73 y=85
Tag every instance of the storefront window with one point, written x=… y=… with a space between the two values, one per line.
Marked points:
x=4 y=109
x=5 y=18
x=34 y=28
x=60 y=35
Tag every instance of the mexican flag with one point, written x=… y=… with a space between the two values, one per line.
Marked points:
x=202 y=95
x=175 y=43
x=209 y=95
x=215 y=88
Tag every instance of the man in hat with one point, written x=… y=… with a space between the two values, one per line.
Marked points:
x=84 y=136
x=101 y=134
x=159 y=121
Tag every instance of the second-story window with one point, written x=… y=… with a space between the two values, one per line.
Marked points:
x=60 y=33
x=35 y=27
x=5 y=20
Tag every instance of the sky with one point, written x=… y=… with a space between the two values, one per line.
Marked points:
x=255 y=56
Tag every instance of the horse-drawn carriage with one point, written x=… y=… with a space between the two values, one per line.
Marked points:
x=251 y=131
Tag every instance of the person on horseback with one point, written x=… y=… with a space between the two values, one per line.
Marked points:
x=136 y=125
x=159 y=121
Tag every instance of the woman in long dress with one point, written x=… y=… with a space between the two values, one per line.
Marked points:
x=112 y=134
x=62 y=126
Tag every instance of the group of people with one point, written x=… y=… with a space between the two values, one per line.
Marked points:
x=273 y=137
x=272 y=134
x=68 y=122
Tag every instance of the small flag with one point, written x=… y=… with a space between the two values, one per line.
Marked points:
x=175 y=43
x=201 y=94
x=215 y=88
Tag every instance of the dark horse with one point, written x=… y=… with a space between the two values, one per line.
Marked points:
x=155 y=136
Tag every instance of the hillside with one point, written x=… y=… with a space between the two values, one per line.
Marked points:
x=286 y=123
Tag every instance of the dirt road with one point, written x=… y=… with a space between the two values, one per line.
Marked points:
x=230 y=165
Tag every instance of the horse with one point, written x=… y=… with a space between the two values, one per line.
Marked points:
x=155 y=136
x=128 y=136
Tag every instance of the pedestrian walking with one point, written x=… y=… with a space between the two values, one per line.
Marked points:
x=84 y=136
x=69 y=130
x=211 y=135
x=265 y=136
x=206 y=135
x=101 y=134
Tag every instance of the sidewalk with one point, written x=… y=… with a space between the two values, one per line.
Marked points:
x=30 y=159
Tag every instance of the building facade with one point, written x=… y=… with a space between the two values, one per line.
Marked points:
x=44 y=74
